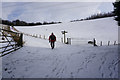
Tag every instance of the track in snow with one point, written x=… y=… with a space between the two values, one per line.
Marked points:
x=64 y=61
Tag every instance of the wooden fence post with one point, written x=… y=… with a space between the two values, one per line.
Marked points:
x=108 y=43
x=114 y=42
x=94 y=42
x=39 y=36
x=62 y=40
x=21 y=40
x=101 y=43
x=36 y=35
x=44 y=37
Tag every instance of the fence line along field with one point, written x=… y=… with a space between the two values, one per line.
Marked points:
x=80 y=32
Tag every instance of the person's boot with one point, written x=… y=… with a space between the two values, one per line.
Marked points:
x=52 y=47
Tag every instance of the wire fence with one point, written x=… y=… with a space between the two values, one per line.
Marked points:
x=77 y=41
x=84 y=41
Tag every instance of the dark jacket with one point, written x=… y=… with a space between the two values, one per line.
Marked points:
x=52 y=38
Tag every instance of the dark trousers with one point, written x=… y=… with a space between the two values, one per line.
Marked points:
x=52 y=44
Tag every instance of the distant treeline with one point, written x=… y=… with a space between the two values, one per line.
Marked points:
x=96 y=16
x=23 y=23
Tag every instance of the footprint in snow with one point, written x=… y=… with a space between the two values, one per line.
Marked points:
x=5 y=69
x=9 y=72
x=111 y=74
x=89 y=61
x=102 y=75
x=100 y=68
x=83 y=51
x=7 y=64
x=46 y=76
x=79 y=70
x=103 y=62
x=28 y=52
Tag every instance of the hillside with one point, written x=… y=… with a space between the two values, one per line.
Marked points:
x=102 y=29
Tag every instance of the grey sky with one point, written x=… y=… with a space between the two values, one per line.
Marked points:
x=52 y=11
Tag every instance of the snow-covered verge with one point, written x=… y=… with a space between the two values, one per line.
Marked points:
x=37 y=60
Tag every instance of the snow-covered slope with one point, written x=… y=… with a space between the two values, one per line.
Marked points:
x=37 y=60
x=105 y=30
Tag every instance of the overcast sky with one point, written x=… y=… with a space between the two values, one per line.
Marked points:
x=52 y=11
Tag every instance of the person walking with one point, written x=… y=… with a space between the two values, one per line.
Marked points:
x=52 y=39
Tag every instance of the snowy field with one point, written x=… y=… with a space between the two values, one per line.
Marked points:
x=37 y=60
x=104 y=30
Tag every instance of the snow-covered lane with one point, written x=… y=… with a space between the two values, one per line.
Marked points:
x=37 y=60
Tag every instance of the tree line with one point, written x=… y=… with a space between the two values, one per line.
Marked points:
x=96 y=16
x=23 y=23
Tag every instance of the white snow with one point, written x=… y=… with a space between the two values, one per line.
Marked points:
x=104 y=30
x=37 y=60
